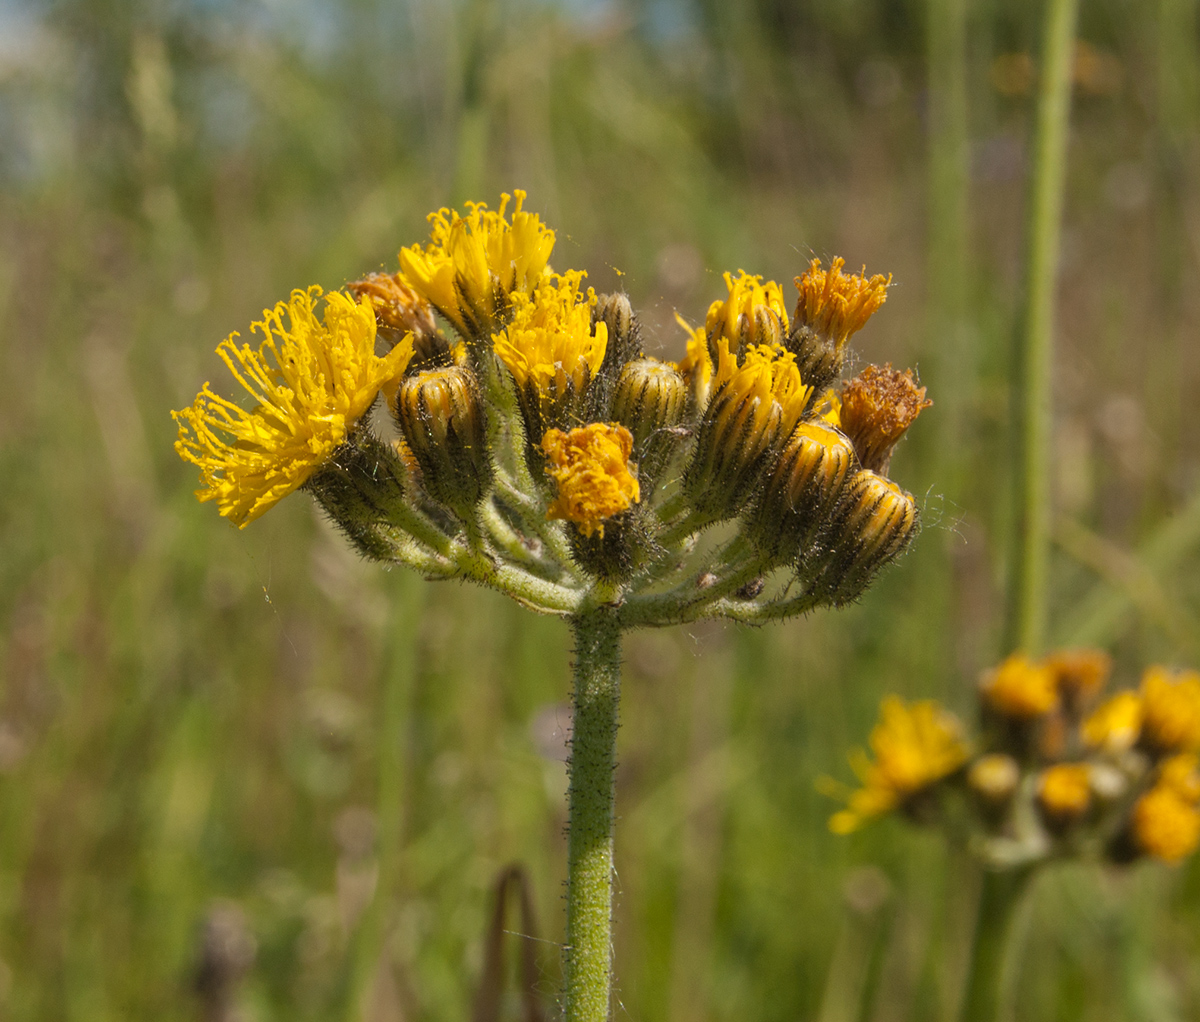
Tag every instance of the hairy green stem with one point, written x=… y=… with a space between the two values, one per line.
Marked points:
x=587 y=964
x=1032 y=552
x=990 y=968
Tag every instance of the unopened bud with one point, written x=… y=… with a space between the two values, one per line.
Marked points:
x=875 y=523
x=993 y=778
x=624 y=334
x=441 y=414
x=801 y=490
x=650 y=400
x=760 y=403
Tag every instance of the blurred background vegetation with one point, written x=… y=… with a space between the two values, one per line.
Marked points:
x=208 y=737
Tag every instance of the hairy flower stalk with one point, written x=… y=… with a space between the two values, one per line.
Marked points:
x=525 y=442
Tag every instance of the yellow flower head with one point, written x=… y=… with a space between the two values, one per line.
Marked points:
x=915 y=746
x=549 y=345
x=1064 y=790
x=1171 y=709
x=877 y=407
x=1079 y=674
x=1114 y=726
x=592 y=470
x=1165 y=824
x=1019 y=688
x=837 y=305
x=472 y=262
x=762 y=392
x=312 y=379
x=753 y=312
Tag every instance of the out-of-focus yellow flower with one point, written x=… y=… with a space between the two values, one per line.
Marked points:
x=994 y=777
x=592 y=470
x=1171 y=709
x=1064 y=791
x=471 y=263
x=1165 y=824
x=753 y=312
x=312 y=379
x=837 y=305
x=1079 y=674
x=1019 y=688
x=1115 y=724
x=549 y=345
x=915 y=746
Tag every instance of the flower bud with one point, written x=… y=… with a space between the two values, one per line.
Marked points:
x=801 y=490
x=442 y=417
x=650 y=399
x=993 y=779
x=758 y=403
x=877 y=407
x=753 y=314
x=624 y=334
x=875 y=523
x=832 y=306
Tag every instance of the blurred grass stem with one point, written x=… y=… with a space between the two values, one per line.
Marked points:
x=1035 y=365
x=588 y=955
x=991 y=966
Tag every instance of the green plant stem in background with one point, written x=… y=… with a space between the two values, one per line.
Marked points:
x=991 y=949
x=399 y=668
x=949 y=257
x=1034 y=367
x=588 y=955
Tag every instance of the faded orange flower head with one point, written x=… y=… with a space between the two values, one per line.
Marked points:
x=595 y=479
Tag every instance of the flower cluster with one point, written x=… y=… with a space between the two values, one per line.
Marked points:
x=1055 y=770
x=533 y=446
